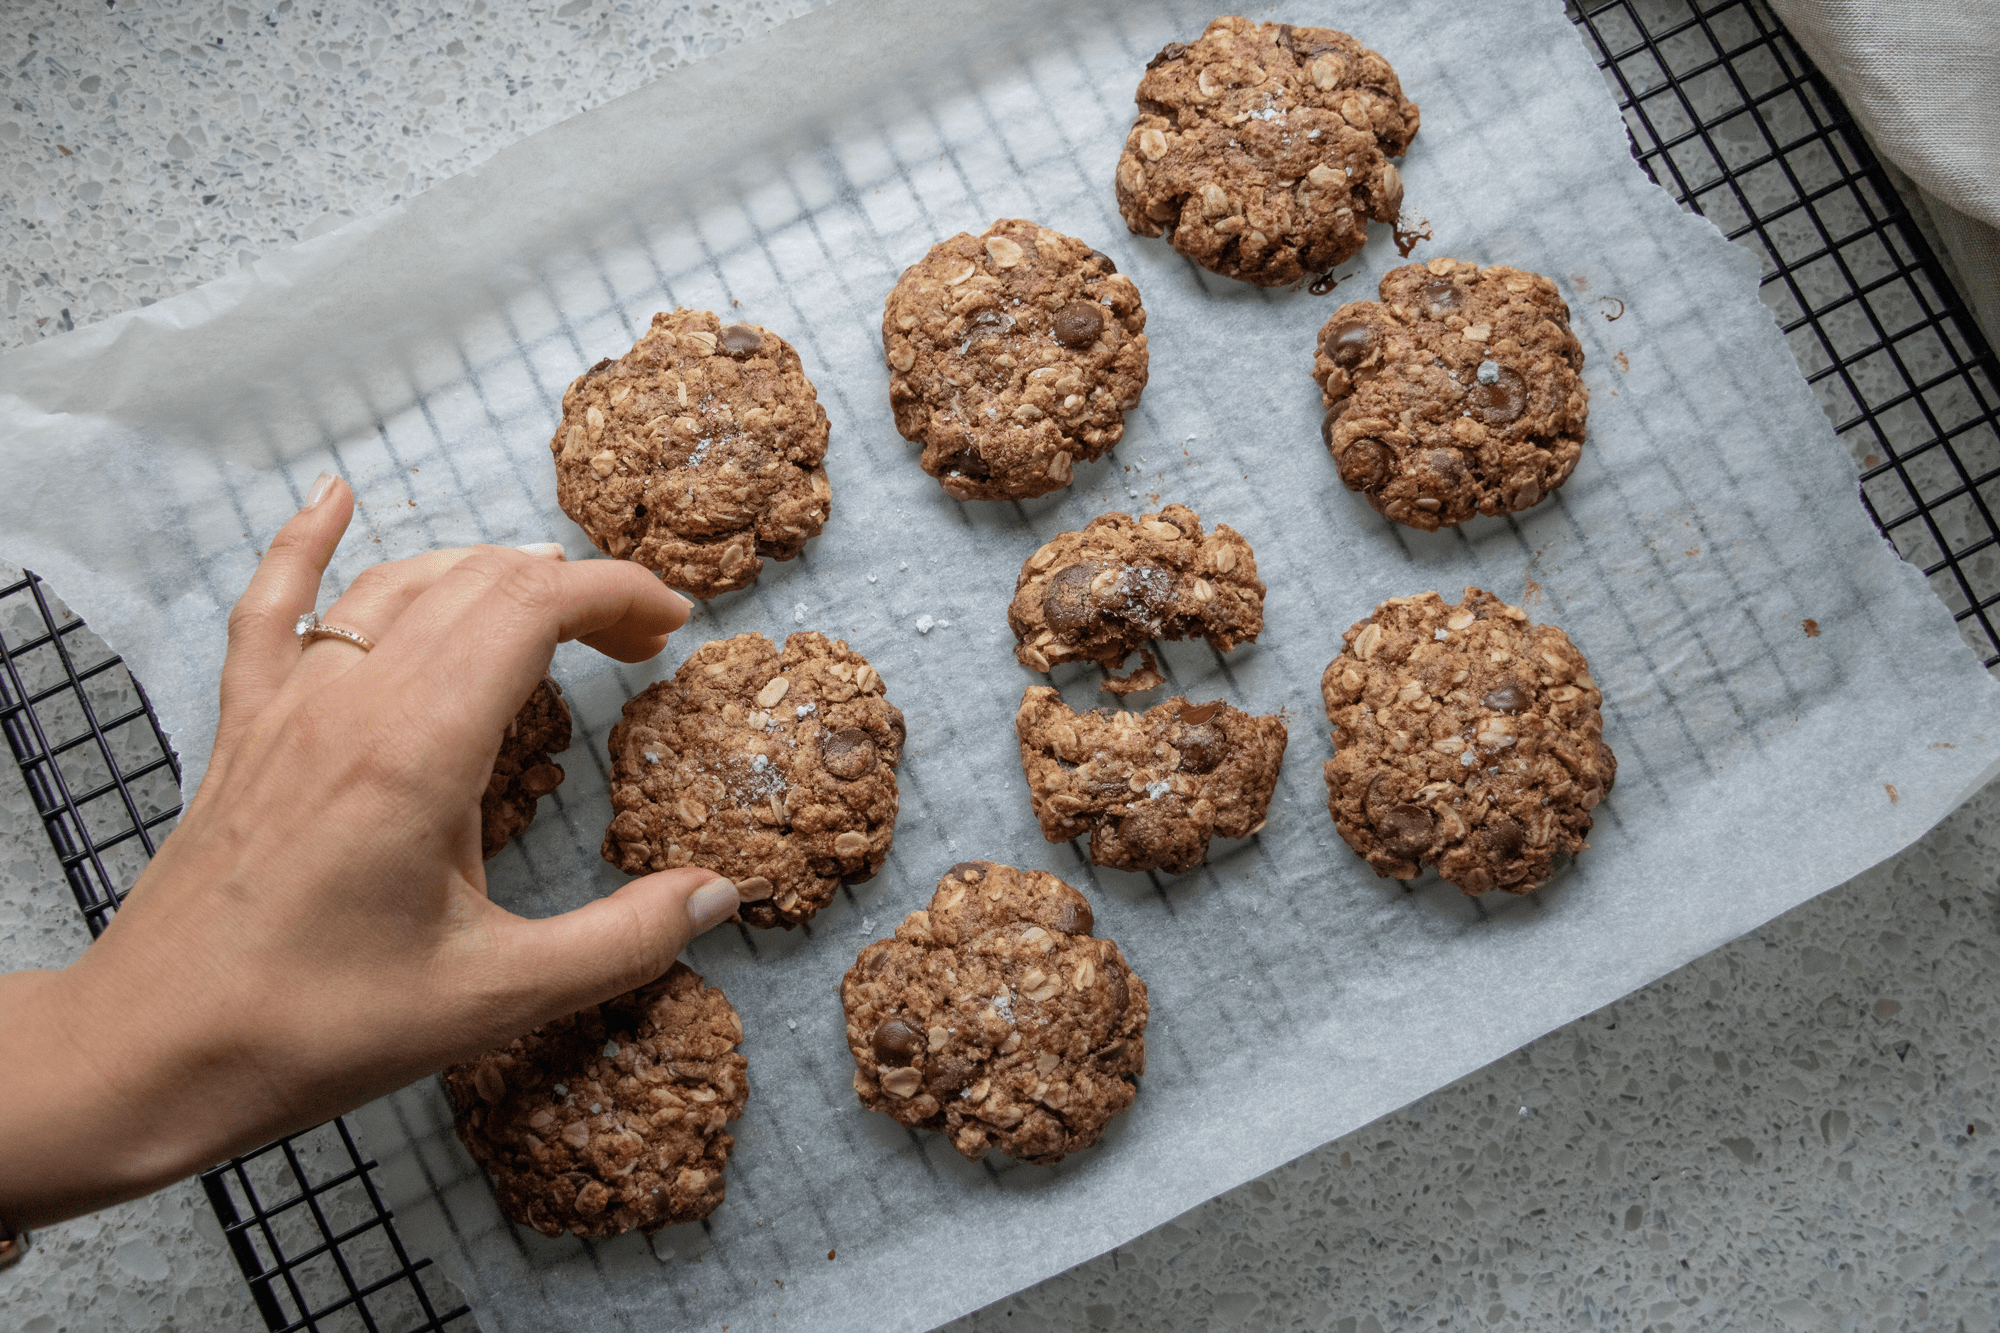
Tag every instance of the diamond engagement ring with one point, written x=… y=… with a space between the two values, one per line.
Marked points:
x=309 y=627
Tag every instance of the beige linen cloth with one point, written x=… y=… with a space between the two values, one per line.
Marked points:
x=1922 y=78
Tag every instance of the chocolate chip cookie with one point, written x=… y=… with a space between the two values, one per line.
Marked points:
x=996 y=1017
x=523 y=773
x=1464 y=737
x=1100 y=594
x=1265 y=148
x=777 y=770
x=1149 y=789
x=1014 y=355
x=696 y=454
x=1458 y=393
x=609 y=1120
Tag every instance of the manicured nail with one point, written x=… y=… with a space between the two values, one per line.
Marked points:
x=321 y=485
x=712 y=904
x=553 y=550
x=687 y=607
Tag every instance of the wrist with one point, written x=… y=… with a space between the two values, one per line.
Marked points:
x=110 y=1099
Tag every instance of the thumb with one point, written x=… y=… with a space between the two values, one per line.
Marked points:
x=610 y=946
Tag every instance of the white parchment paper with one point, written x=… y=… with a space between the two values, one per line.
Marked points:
x=145 y=461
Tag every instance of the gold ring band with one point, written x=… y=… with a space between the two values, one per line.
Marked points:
x=309 y=627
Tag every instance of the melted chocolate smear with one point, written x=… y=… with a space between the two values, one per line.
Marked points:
x=1408 y=237
x=1323 y=284
x=969 y=872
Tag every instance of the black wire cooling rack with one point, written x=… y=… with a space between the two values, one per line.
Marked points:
x=1724 y=111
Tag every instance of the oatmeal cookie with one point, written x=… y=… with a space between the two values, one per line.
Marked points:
x=1014 y=355
x=1265 y=149
x=778 y=771
x=996 y=1017
x=696 y=454
x=1458 y=393
x=1464 y=737
x=523 y=773
x=609 y=1120
x=1149 y=789
x=1101 y=594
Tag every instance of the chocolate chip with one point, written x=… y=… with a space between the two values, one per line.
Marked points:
x=1078 y=323
x=897 y=1042
x=1501 y=837
x=1333 y=416
x=1171 y=51
x=976 y=869
x=740 y=341
x=966 y=461
x=1349 y=342
x=951 y=1074
x=892 y=753
x=1502 y=401
x=1099 y=257
x=1074 y=919
x=1383 y=791
x=1121 y=994
x=1448 y=464
x=847 y=753
x=598 y=369
x=1194 y=717
x=1508 y=698
x=1441 y=295
x=1110 y=1052
x=1066 y=605
x=1406 y=830
x=986 y=324
x=1364 y=464
x=1202 y=747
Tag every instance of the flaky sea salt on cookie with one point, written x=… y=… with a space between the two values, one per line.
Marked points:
x=1101 y=594
x=697 y=454
x=1264 y=149
x=1465 y=737
x=611 y=1119
x=1013 y=356
x=997 y=1018
x=777 y=770
x=1460 y=392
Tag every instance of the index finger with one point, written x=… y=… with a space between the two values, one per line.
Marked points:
x=484 y=632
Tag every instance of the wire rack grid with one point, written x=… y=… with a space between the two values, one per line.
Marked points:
x=1724 y=111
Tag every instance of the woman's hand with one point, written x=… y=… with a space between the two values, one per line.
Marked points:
x=316 y=931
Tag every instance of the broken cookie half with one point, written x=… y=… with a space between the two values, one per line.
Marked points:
x=1101 y=594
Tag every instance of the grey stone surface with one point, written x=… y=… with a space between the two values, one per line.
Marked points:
x=1791 y=1133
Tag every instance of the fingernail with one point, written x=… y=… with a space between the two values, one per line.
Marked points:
x=712 y=904
x=321 y=485
x=554 y=550
x=686 y=605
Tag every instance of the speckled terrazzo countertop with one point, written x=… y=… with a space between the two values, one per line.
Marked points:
x=1791 y=1133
